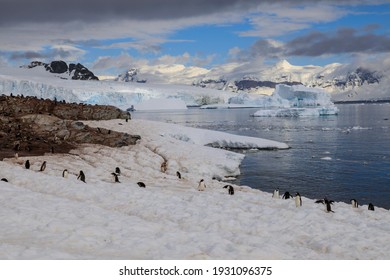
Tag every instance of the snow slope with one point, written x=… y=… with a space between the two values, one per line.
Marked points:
x=40 y=83
x=45 y=216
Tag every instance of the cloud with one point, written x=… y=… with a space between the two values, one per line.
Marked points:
x=275 y=19
x=344 y=41
x=15 y=11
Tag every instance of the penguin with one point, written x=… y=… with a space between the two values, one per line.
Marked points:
x=115 y=175
x=81 y=176
x=178 y=174
x=230 y=189
x=117 y=171
x=371 y=207
x=163 y=167
x=354 y=203
x=141 y=184
x=286 y=195
x=276 y=194
x=298 y=200
x=4 y=179
x=27 y=164
x=16 y=155
x=65 y=173
x=202 y=185
x=327 y=204
x=43 y=166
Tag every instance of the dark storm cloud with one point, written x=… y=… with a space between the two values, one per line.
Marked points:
x=97 y=10
x=344 y=41
x=17 y=11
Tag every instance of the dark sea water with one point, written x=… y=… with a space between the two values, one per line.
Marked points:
x=342 y=157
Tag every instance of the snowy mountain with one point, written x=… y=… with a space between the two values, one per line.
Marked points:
x=344 y=82
x=73 y=71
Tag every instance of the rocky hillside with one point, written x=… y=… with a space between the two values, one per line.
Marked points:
x=73 y=70
x=31 y=126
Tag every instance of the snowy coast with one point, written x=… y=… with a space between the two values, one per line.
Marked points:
x=46 y=216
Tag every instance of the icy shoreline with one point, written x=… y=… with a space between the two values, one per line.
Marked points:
x=45 y=216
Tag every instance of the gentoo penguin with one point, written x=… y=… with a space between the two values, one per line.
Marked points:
x=27 y=164
x=81 y=176
x=65 y=173
x=117 y=171
x=327 y=204
x=164 y=167
x=43 y=166
x=276 y=194
x=178 y=174
x=286 y=195
x=4 y=179
x=141 y=184
x=202 y=185
x=298 y=200
x=115 y=175
x=371 y=207
x=354 y=203
x=230 y=189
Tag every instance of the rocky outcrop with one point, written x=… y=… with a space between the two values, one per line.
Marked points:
x=17 y=106
x=31 y=126
x=75 y=71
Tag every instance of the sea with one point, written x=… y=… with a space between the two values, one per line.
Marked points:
x=341 y=157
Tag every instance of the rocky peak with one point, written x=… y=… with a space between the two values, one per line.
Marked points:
x=75 y=71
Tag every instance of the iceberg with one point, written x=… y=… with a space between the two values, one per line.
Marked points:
x=296 y=101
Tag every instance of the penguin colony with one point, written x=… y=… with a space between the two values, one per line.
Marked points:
x=202 y=186
x=325 y=201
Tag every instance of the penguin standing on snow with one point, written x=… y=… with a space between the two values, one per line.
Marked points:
x=371 y=207
x=286 y=195
x=115 y=175
x=81 y=176
x=65 y=173
x=27 y=164
x=201 y=185
x=276 y=194
x=354 y=203
x=298 y=200
x=230 y=189
x=178 y=174
x=327 y=204
x=117 y=171
x=141 y=184
x=43 y=166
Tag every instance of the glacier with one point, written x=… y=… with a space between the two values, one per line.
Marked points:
x=143 y=96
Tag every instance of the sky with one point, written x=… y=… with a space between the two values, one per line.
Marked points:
x=110 y=36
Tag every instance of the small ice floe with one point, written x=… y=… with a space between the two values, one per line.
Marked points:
x=326 y=158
